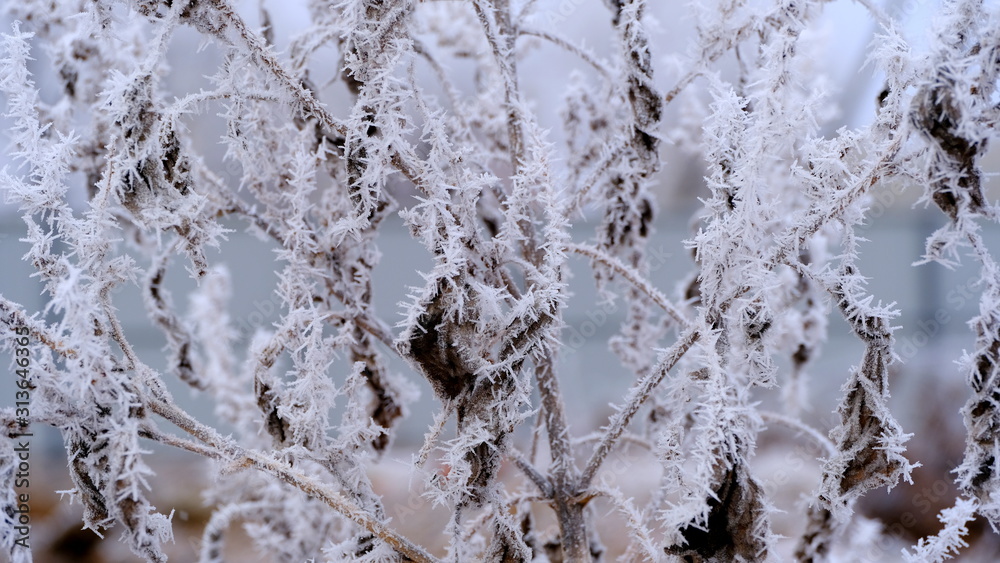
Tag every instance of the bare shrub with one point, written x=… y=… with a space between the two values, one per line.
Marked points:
x=775 y=252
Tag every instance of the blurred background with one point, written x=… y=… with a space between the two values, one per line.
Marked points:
x=935 y=303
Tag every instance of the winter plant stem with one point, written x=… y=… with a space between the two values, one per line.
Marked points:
x=635 y=398
x=238 y=457
x=433 y=116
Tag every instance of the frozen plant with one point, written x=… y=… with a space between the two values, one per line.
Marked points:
x=775 y=253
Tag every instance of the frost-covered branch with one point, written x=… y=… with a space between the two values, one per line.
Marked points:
x=427 y=112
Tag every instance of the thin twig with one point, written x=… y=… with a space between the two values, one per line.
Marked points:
x=239 y=456
x=570 y=47
x=633 y=277
x=536 y=477
x=147 y=430
x=636 y=397
x=626 y=438
x=799 y=426
x=13 y=316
